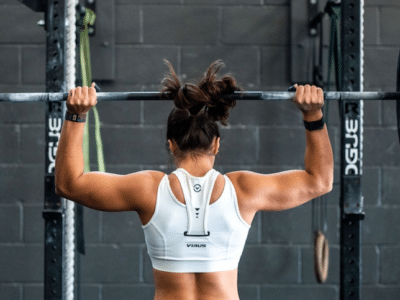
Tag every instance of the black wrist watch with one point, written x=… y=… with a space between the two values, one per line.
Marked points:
x=315 y=125
x=80 y=118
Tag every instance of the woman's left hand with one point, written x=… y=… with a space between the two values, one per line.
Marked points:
x=81 y=99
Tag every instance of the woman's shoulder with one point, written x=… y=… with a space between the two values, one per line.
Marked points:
x=236 y=177
x=157 y=176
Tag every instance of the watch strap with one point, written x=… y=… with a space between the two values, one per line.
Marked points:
x=80 y=118
x=315 y=125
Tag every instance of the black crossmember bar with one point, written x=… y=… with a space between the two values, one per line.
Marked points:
x=137 y=96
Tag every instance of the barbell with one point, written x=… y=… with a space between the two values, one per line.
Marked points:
x=137 y=96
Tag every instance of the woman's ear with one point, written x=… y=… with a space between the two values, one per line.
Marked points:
x=217 y=144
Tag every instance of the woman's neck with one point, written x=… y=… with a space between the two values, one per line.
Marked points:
x=198 y=167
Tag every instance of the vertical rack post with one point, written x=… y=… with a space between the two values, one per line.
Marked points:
x=351 y=111
x=54 y=206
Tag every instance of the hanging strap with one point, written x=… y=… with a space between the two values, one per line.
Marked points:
x=197 y=193
x=86 y=72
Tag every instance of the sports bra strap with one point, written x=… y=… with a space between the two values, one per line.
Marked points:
x=197 y=192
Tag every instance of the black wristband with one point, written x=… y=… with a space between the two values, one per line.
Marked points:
x=316 y=125
x=80 y=118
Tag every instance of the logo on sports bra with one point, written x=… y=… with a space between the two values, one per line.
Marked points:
x=197 y=245
x=197 y=188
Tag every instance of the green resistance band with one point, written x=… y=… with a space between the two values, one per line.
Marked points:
x=86 y=71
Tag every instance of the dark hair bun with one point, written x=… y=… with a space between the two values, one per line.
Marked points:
x=207 y=94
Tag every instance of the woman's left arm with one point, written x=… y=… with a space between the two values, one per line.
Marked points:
x=97 y=190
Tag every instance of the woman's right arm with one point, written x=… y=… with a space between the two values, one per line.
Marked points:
x=289 y=189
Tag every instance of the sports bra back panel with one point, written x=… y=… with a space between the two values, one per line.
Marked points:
x=196 y=236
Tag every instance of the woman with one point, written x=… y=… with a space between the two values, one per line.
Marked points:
x=195 y=219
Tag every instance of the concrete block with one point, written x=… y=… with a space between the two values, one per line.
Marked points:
x=9 y=2
x=381 y=2
x=144 y=64
x=380 y=292
x=33 y=292
x=90 y=292
x=275 y=67
x=223 y=2
x=254 y=235
x=371 y=25
x=390 y=260
x=122 y=227
x=248 y=292
x=135 y=145
x=180 y=25
x=282 y=146
x=299 y=293
x=127 y=24
x=17 y=19
x=34 y=65
x=128 y=292
x=242 y=62
x=157 y=112
x=307 y=262
x=370 y=265
x=274 y=264
x=119 y=264
x=266 y=2
x=381 y=225
x=296 y=225
x=31 y=191
x=265 y=113
x=33 y=224
x=380 y=68
x=389 y=112
x=255 y=25
x=381 y=147
x=147 y=267
x=23 y=263
x=390 y=187
x=389 y=25
x=372 y=113
x=291 y=225
x=10 y=292
x=17 y=88
x=118 y=112
x=9 y=137
x=148 y=1
x=32 y=138
x=9 y=61
x=237 y=145
x=92 y=225
x=370 y=186
x=16 y=113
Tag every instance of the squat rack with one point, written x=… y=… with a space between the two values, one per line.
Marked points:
x=351 y=111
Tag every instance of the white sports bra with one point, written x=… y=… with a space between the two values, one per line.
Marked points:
x=196 y=236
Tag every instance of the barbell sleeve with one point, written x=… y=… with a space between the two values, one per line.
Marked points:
x=137 y=96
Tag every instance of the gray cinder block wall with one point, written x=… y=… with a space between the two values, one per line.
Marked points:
x=252 y=37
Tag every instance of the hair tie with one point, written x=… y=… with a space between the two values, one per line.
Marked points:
x=194 y=110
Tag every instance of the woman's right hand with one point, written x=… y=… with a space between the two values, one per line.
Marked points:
x=309 y=99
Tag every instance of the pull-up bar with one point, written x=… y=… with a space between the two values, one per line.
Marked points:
x=137 y=96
